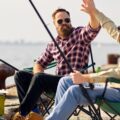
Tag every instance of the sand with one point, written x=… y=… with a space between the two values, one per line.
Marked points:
x=12 y=103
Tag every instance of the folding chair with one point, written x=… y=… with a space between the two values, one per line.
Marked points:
x=89 y=111
x=45 y=105
x=111 y=108
x=50 y=96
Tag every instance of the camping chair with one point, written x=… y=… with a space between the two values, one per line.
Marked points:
x=89 y=111
x=46 y=101
x=45 y=105
x=111 y=108
x=50 y=96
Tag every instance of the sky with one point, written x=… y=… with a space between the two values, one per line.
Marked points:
x=18 y=21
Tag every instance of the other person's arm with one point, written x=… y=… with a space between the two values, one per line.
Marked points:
x=79 y=78
x=108 y=24
x=104 y=21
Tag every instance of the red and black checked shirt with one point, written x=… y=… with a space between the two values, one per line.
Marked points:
x=75 y=48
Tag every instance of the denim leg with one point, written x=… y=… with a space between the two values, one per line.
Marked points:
x=67 y=104
x=63 y=85
x=74 y=97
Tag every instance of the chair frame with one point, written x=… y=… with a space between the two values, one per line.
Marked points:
x=46 y=107
x=50 y=66
x=109 y=106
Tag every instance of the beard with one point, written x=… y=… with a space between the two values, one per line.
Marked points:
x=65 y=30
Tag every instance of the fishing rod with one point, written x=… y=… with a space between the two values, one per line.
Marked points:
x=62 y=54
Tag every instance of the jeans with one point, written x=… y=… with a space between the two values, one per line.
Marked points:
x=30 y=88
x=69 y=96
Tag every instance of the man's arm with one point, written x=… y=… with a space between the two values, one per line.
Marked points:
x=104 y=21
x=43 y=60
x=37 y=68
x=94 y=23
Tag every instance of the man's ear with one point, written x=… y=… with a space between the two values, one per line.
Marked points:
x=118 y=27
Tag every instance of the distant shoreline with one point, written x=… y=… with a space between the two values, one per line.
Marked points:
x=45 y=42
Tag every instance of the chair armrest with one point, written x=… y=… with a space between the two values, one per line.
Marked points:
x=109 y=79
x=50 y=65
x=114 y=80
x=30 y=69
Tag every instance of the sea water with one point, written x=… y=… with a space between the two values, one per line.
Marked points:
x=22 y=55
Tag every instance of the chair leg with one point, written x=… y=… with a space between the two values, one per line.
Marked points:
x=45 y=106
x=88 y=111
x=111 y=117
x=93 y=114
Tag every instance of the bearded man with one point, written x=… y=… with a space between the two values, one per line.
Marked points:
x=74 y=43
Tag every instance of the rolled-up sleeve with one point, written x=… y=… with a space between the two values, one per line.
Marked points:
x=88 y=33
x=46 y=57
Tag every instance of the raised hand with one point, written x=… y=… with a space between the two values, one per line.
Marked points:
x=88 y=6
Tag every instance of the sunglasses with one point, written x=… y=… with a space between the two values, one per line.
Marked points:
x=66 y=20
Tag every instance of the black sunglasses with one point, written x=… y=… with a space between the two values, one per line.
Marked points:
x=60 y=21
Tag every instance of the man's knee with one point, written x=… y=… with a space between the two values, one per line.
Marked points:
x=75 y=91
x=65 y=81
x=18 y=75
x=22 y=76
x=39 y=76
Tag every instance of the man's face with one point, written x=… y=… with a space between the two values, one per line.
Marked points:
x=63 y=25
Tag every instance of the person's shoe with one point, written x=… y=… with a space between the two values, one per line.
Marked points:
x=17 y=116
x=34 y=116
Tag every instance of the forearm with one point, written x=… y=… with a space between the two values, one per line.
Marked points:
x=94 y=23
x=79 y=78
x=37 y=68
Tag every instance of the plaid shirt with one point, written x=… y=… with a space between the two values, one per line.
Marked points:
x=75 y=49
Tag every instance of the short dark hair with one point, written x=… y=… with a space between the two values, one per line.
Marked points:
x=59 y=10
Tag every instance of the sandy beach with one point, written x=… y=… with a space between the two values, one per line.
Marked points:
x=12 y=103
